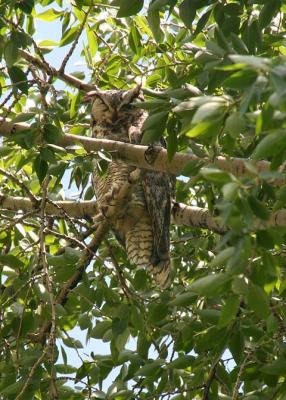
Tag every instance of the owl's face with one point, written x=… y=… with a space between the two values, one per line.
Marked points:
x=110 y=107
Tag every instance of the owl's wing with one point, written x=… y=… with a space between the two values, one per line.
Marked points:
x=157 y=191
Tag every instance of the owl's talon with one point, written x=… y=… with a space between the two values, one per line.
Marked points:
x=108 y=197
x=103 y=210
x=98 y=218
x=115 y=189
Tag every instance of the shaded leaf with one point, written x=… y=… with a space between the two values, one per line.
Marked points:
x=210 y=285
x=229 y=311
x=258 y=301
x=128 y=8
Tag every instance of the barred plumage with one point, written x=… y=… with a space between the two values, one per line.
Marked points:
x=143 y=227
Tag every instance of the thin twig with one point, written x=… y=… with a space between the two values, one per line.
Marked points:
x=240 y=372
x=75 y=41
x=53 y=72
x=21 y=184
x=118 y=269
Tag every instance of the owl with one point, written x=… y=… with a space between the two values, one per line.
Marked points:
x=143 y=226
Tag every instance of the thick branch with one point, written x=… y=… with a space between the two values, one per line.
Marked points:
x=152 y=157
x=195 y=217
x=156 y=157
x=58 y=208
x=181 y=213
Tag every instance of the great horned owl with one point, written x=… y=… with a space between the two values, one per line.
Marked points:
x=143 y=229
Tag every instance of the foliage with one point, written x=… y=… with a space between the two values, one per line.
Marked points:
x=214 y=77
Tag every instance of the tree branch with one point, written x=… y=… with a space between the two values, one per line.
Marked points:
x=151 y=157
x=53 y=72
x=182 y=214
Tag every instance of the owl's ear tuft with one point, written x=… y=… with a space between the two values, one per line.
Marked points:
x=131 y=94
x=90 y=96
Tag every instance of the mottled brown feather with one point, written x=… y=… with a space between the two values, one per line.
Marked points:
x=143 y=227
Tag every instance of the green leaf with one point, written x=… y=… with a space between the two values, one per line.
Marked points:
x=11 y=53
x=239 y=285
x=121 y=340
x=41 y=168
x=182 y=362
x=272 y=324
x=187 y=12
x=270 y=144
x=192 y=168
x=278 y=367
x=241 y=79
x=72 y=343
x=49 y=15
x=258 y=301
x=202 y=23
x=11 y=261
x=84 y=321
x=184 y=299
x=134 y=40
x=14 y=388
x=52 y=134
x=157 y=5
x=136 y=318
x=92 y=42
x=268 y=12
x=157 y=312
x=172 y=140
x=154 y=23
x=5 y=150
x=252 y=61
x=22 y=39
x=209 y=112
x=42 y=292
x=235 y=124
x=221 y=258
x=210 y=285
x=100 y=329
x=69 y=36
x=150 y=369
x=26 y=5
x=154 y=127
x=19 y=78
x=143 y=345
x=258 y=208
x=47 y=154
x=203 y=128
x=209 y=315
x=47 y=45
x=230 y=190
x=237 y=344
x=229 y=311
x=118 y=326
x=128 y=8
x=140 y=279
x=215 y=175
x=65 y=369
